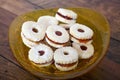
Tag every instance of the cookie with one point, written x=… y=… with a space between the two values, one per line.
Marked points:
x=47 y=20
x=32 y=32
x=28 y=43
x=85 y=51
x=89 y=41
x=66 y=16
x=41 y=55
x=51 y=43
x=81 y=33
x=56 y=36
x=66 y=26
x=66 y=58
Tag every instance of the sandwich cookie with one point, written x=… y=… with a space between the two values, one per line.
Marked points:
x=81 y=33
x=27 y=42
x=66 y=16
x=85 y=51
x=57 y=36
x=66 y=58
x=41 y=55
x=32 y=33
x=47 y=20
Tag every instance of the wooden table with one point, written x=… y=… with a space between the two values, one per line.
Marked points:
x=108 y=69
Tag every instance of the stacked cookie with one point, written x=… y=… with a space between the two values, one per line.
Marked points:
x=71 y=41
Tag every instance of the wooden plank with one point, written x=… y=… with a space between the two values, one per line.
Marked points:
x=50 y=3
x=4 y=33
x=109 y=8
x=106 y=70
x=4 y=44
x=114 y=51
x=6 y=52
x=57 y=3
x=6 y=17
x=17 y=6
x=9 y=71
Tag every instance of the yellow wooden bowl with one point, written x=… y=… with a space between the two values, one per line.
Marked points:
x=85 y=16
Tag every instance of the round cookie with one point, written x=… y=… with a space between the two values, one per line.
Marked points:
x=28 y=43
x=66 y=58
x=33 y=31
x=85 y=51
x=66 y=16
x=54 y=44
x=81 y=33
x=41 y=55
x=47 y=20
x=56 y=35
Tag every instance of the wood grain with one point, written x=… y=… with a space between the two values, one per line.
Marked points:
x=108 y=69
x=6 y=18
x=17 y=6
x=9 y=71
x=114 y=51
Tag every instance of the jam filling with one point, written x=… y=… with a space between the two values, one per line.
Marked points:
x=82 y=40
x=56 y=42
x=35 y=30
x=65 y=53
x=44 y=63
x=37 y=42
x=58 y=33
x=66 y=65
x=83 y=47
x=80 y=30
x=66 y=17
x=41 y=52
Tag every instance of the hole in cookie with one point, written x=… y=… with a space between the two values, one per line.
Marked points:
x=80 y=30
x=71 y=41
x=35 y=30
x=67 y=28
x=41 y=52
x=83 y=47
x=58 y=33
x=65 y=53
